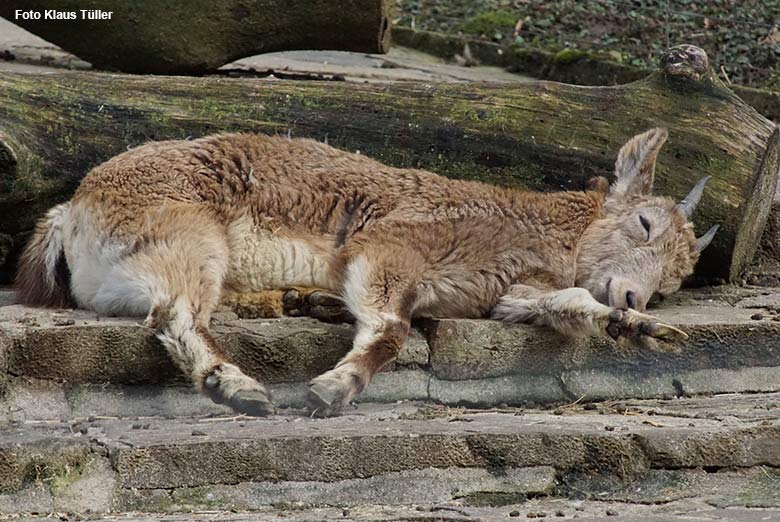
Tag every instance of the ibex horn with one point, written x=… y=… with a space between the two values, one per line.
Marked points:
x=688 y=204
x=703 y=241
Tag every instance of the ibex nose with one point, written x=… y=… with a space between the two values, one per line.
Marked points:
x=624 y=293
x=631 y=299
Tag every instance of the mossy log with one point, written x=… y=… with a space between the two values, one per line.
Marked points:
x=541 y=135
x=196 y=36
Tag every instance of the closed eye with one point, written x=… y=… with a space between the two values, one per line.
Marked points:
x=645 y=224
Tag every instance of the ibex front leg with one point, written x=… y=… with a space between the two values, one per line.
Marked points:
x=574 y=312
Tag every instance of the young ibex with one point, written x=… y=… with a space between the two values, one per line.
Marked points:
x=164 y=229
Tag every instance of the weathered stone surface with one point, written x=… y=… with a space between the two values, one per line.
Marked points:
x=743 y=406
x=754 y=487
x=425 y=486
x=29 y=457
x=35 y=400
x=88 y=488
x=474 y=362
x=760 y=489
x=691 y=510
x=35 y=498
x=720 y=337
x=78 y=346
x=284 y=350
x=5 y=348
x=753 y=446
x=489 y=391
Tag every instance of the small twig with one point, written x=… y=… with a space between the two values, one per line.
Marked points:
x=220 y=419
x=723 y=70
x=576 y=402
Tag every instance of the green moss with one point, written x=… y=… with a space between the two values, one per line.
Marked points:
x=565 y=56
x=62 y=478
x=464 y=111
x=490 y=22
x=58 y=469
x=199 y=498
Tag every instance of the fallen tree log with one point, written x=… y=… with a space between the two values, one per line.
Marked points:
x=541 y=135
x=196 y=36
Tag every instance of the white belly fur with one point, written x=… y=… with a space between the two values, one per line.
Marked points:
x=260 y=260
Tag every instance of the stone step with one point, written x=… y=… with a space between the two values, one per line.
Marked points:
x=715 y=455
x=689 y=510
x=734 y=346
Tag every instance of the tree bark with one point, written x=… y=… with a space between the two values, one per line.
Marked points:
x=197 y=36
x=540 y=136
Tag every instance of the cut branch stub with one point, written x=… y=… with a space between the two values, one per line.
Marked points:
x=687 y=61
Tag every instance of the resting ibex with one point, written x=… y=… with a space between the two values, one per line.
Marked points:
x=164 y=229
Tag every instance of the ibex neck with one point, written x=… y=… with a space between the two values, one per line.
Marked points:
x=568 y=214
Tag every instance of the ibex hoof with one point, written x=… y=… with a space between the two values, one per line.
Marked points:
x=227 y=384
x=643 y=330
x=323 y=400
x=254 y=403
x=319 y=304
x=333 y=390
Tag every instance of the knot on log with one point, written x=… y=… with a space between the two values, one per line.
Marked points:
x=685 y=60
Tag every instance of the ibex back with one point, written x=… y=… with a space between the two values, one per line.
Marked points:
x=164 y=230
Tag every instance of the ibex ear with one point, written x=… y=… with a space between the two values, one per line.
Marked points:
x=635 y=165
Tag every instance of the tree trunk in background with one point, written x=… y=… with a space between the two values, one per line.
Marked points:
x=196 y=36
x=541 y=135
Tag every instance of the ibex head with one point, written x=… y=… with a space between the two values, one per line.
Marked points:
x=645 y=244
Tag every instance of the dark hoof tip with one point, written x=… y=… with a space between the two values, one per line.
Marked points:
x=322 y=401
x=253 y=403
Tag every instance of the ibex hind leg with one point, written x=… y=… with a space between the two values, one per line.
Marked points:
x=378 y=291
x=179 y=268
